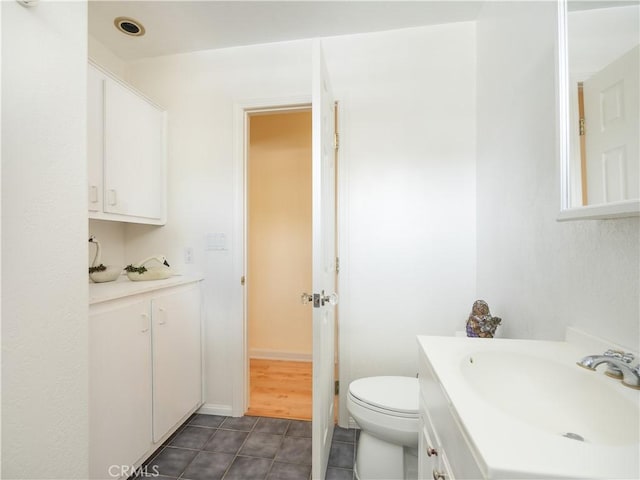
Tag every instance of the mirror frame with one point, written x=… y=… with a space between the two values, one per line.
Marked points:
x=627 y=208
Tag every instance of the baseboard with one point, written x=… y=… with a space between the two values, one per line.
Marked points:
x=214 y=409
x=266 y=354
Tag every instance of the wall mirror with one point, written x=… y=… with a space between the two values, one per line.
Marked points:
x=599 y=107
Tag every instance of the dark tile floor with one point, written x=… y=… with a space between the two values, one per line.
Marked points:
x=210 y=447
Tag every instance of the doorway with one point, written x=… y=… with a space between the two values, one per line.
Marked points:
x=279 y=260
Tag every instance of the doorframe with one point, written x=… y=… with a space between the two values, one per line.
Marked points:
x=239 y=349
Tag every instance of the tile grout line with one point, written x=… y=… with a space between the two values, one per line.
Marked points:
x=252 y=430
x=238 y=451
x=180 y=476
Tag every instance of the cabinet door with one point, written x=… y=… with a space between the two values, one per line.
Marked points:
x=177 y=377
x=120 y=386
x=95 y=136
x=134 y=154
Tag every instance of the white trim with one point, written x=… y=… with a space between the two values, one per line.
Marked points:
x=563 y=105
x=266 y=354
x=215 y=409
x=343 y=313
x=238 y=348
x=626 y=208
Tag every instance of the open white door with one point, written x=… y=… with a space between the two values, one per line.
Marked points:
x=324 y=263
x=611 y=115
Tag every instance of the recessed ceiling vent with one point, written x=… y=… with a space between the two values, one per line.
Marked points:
x=129 y=26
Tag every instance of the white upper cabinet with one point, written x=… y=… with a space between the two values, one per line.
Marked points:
x=95 y=136
x=126 y=153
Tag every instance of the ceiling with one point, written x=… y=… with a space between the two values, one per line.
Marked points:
x=185 y=26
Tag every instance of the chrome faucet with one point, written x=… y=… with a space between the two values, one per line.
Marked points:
x=619 y=364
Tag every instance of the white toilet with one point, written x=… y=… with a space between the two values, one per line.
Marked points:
x=386 y=409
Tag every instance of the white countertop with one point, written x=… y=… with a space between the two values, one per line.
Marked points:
x=509 y=448
x=123 y=287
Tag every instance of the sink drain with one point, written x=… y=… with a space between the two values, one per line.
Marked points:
x=573 y=436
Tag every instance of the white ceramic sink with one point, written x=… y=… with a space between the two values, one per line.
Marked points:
x=528 y=411
x=560 y=399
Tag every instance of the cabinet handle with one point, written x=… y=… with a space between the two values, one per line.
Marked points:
x=438 y=475
x=113 y=197
x=162 y=319
x=144 y=322
x=431 y=451
x=93 y=195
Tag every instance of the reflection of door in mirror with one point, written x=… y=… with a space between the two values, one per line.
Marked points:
x=611 y=131
x=604 y=66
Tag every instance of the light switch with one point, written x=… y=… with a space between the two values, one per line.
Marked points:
x=216 y=241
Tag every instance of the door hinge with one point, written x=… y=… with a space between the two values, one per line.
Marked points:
x=337 y=265
x=337 y=387
x=582 y=126
x=242 y=280
x=336 y=141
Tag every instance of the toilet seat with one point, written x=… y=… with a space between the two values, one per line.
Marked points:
x=384 y=411
x=395 y=396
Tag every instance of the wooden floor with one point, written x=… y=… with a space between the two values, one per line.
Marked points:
x=280 y=389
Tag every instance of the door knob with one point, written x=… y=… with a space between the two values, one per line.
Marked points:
x=319 y=299
x=331 y=299
x=439 y=475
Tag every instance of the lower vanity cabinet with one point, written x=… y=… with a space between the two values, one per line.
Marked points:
x=433 y=462
x=428 y=451
x=444 y=452
x=119 y=385
x=145 y=375
x=177 y=377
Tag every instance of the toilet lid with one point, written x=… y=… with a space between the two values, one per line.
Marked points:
x=398 y=394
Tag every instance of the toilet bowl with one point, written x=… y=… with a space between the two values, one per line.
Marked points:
x=386 y=410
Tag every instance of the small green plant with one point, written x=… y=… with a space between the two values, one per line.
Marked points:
x=99 y=268
x=130 y=269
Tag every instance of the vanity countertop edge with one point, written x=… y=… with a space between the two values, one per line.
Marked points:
x=123 y=287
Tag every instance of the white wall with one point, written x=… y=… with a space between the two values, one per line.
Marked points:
x=199 y=91
x=44 y=241
x=407 y=180
x=540 y=275
x=111 y=236
x=407 y=192
x=106 y=58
